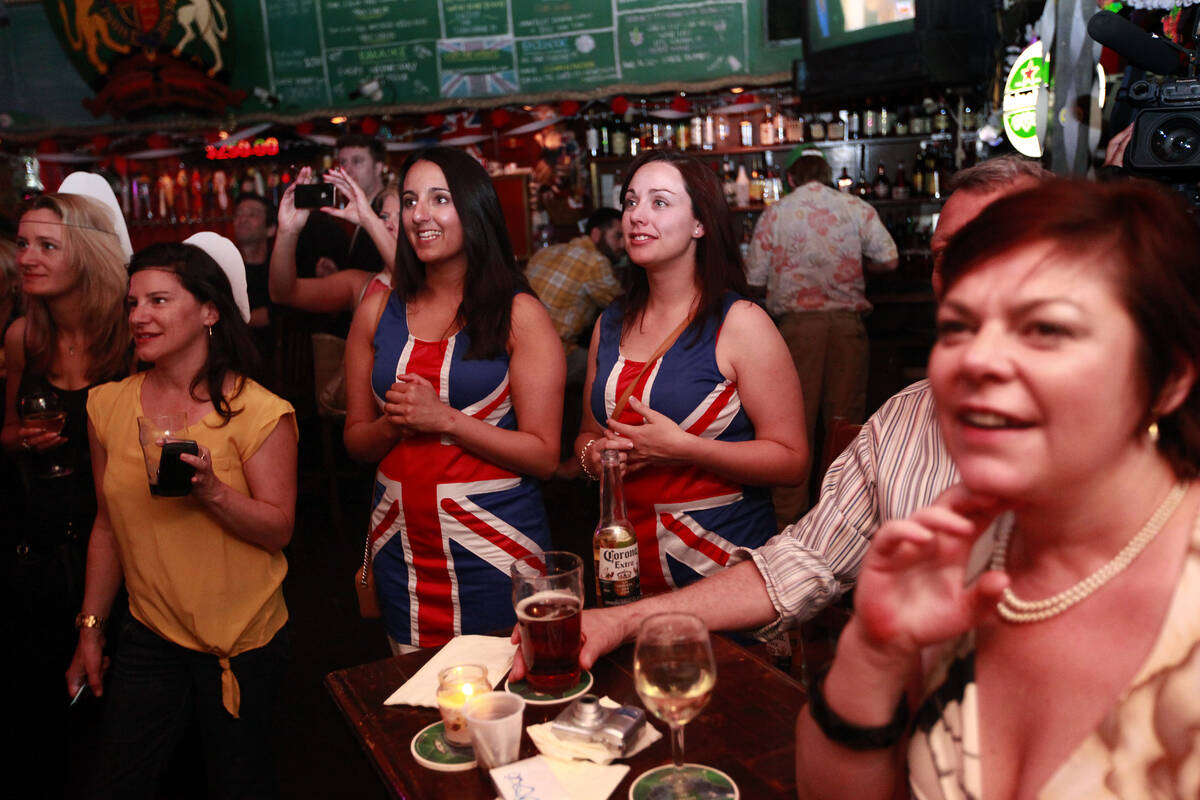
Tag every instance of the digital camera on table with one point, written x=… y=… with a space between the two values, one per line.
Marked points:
x=586 y=720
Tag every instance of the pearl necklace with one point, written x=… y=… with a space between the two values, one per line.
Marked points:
x=1014 y=609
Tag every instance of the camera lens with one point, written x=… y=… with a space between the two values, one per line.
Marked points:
x=1176 y=140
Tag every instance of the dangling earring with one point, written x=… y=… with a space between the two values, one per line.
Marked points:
x=1152 y=432
x=210 y=327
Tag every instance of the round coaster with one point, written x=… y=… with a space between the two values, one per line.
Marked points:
x=536 y=698
x=430 y=749
x=703 y=783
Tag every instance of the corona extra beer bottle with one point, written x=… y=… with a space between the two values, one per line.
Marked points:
x=614 y=544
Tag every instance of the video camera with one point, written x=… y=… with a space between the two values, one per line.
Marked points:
x=1166 y=127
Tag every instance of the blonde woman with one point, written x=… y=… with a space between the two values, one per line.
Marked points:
x=71 y=253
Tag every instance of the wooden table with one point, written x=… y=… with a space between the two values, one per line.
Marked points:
x=747 y=730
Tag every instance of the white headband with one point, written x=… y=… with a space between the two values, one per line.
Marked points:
x=89 y=184
x=229 y=258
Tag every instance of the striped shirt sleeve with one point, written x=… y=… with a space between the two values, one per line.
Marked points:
x=896 y=465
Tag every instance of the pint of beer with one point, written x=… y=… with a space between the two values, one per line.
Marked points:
x=548 y=598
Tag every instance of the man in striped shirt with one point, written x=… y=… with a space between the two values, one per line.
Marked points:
x=896 y=465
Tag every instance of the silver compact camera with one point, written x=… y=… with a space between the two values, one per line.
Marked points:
x=586 y=720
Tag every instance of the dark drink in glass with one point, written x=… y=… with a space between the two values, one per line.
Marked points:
x=548 y=598
x=550 y=641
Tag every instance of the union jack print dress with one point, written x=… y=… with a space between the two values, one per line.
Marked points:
x=688 y=521
x=446 y=524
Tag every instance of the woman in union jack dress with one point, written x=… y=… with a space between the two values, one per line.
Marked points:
x=714 y=412
x=454 y=383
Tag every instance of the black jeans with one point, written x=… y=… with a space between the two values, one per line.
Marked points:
x=158 y=689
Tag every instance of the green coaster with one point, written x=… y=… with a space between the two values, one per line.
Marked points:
x=701 y=782
x=430 y=749
x=536 y=698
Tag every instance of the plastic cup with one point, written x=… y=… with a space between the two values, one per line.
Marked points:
x=495 y=721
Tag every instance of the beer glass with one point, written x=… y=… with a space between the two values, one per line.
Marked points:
x=674 y=673
x=44 y=410
x=547 y=593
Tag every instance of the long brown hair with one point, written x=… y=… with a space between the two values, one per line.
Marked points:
x=719 y=267
x=493 y=277
x=94 y=253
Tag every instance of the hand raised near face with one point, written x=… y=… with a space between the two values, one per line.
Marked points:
x=910 y=590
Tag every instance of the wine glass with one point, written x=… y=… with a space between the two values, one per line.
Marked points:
x=44 y=411
x=674 y=673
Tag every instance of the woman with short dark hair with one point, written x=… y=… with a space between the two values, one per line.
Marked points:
x=1042 y=613
x=205 y=638
x=714 y=412
x=454 y=383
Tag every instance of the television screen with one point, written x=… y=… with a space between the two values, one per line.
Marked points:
x=833 y=23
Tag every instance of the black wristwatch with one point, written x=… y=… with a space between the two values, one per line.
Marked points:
x=847 y=734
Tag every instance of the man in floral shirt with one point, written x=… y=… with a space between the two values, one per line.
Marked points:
x=809 y=250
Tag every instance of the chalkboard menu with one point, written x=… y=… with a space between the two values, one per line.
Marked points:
x=318 y=53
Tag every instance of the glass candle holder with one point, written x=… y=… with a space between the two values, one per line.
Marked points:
x=457 y=685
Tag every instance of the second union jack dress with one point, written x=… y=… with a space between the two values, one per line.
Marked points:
x=688 y=521
x=446 y=524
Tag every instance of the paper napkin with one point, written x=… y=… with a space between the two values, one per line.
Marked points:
x=492 y=652
x=544 y=778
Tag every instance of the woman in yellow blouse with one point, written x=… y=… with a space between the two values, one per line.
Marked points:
x=205 y=637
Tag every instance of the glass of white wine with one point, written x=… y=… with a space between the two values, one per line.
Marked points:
x=674 y=672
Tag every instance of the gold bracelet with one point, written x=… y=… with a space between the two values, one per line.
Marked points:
x=88 y=621
x=583 y=461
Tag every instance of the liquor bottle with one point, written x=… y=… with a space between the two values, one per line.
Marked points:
x=933 y=178
x=870 y=121
x=723 y=133
x=887 y=120
x=696 y=130
x=709 y=138
x=620 y=138
x=780 y=123
x=729 y=182
x=941 y=118
x=900 y=190
x=742 y=187
x=592 y=136
x=745 y=133
x=882 y=186
x=766 y=129
x=614 y=544
x=795 y=130
x=604 y=125
x=862 y=188
x=854 y=125
x=844 y=182
x=918 y=174
x=757 y=183
x=773 y=190
x=835 y=131
x=816 y=128
x=682 y=135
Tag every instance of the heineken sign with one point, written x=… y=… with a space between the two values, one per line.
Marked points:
x=1025 y=101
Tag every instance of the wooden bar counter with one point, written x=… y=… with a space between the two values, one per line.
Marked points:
x=747 y=730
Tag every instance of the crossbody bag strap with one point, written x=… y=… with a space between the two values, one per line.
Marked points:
x=663 y=347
